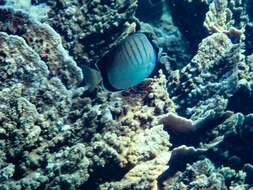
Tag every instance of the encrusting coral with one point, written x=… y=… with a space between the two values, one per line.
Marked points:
x=90 y=28
x=203 y=175
x=56 y=135
x=52 y=133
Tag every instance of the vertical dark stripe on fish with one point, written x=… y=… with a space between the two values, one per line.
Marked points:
x=133 y=49
x=131 y=53
x=143 y=50
x=138 y=51
x=125 y=53
x=143 y=42
x=121 y=57
x=149 y=50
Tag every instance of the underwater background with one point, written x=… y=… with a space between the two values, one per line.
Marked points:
x=186 y=124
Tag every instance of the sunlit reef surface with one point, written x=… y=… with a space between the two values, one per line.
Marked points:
x=190 y=126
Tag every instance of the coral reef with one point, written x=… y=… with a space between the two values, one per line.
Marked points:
x=203 y=175
x=38 y=11
x=208 y=74
x=149 y=11
x=90 y=28
x=55 y=136
x=189 y=16
x=226 y=16
x=45 y=41
x=189 y=126
x=33 y=107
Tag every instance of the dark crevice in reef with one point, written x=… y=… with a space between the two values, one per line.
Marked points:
x=248 y=169
x=37 y=2
x=42 y=187
x=249 y=29
x=231 y=153
x=2 y=2
x=242 y=100
x=149 y=11
x=104 y=174
x=175 y=166
x=58 y=146
x=249 y=38
x=189 y=18
x=249 y=8
x=17 y=160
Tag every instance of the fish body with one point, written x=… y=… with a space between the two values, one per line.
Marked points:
x=128 y=64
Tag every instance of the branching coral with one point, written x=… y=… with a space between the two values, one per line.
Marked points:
x=212 y=70
x=226 y=16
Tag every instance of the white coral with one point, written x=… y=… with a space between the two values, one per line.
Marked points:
x=38 y=12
